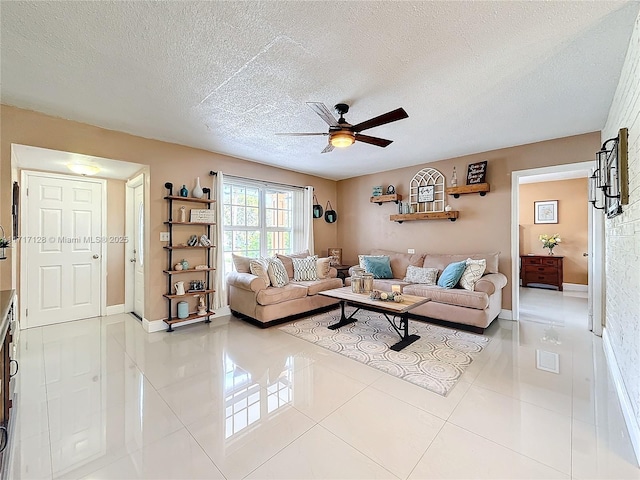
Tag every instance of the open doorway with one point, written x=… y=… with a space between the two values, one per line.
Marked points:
x=109 y=241
x=583 y=255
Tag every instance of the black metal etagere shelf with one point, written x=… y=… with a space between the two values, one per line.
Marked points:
x=170 y=271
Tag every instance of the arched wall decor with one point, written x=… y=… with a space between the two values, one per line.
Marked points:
x=426 y=191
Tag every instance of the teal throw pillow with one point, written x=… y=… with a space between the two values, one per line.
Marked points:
x=451 y=274
x=378 y=266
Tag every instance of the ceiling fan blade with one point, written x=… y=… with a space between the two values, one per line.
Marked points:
x=392 y=116
x=324 y=113
x=301 y=134
x=378 y=142
x=327 y=149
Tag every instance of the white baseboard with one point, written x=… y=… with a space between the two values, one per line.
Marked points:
x=115 y=309
x=575 y=287
x=221 y=314
x=627 y=411
x=506 y=314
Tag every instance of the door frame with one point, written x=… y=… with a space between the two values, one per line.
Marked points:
x=596 y=255
x=24 y=261
x=129 y=276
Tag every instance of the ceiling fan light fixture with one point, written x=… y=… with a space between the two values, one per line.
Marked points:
x=342 y=139
x=83 y=169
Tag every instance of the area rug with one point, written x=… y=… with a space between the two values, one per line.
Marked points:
x=435 y=361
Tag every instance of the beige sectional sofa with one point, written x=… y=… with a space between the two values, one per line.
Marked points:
x=250 y=297
x=477 y=308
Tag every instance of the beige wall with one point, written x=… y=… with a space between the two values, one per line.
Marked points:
x=623 y=237
x=572 y=224
x=485 y=222
x=167 y=162
x=115 y=251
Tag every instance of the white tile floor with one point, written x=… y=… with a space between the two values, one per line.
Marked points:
x=100 y=398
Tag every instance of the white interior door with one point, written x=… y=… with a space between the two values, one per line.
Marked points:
x=62 y=248
x=138 y=252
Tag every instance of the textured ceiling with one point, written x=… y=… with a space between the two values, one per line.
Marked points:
x=227 y=76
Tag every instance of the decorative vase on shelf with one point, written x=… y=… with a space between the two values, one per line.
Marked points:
x=197 y=190
x=184 y=192
x=454 y=178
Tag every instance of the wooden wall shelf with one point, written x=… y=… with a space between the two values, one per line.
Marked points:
x=408 y=217
x=481 y=188
x=380 y=199
x=189 y=199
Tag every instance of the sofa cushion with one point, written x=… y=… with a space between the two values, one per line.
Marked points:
x=451 y=296
x=241 y=263
x=426 y=276
x=277 y=273
x=472 y=273
x=451 y=274
x=259 y=267
x=361 y=259
x=400 y=261
x=305 y=268
x=273 y=295
x=323 y=267
x=315 y=286
x=288 y=264
x=378 y=266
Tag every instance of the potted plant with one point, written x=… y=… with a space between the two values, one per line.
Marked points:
x=550 y=241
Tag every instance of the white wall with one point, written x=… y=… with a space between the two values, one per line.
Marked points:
x=623 y=239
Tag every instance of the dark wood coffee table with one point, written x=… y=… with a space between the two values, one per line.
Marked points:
x=362 y=302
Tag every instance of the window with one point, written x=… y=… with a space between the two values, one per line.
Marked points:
x=260 y=219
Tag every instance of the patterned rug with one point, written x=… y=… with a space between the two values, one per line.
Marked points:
x=435 y=362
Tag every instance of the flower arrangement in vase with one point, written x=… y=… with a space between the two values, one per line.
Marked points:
x=550 y=241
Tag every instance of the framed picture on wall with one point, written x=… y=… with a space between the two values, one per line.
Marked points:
x=336 y=256
x=426 y=193
x=545 y=212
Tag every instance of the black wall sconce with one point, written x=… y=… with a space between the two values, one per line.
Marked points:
x=611 y=175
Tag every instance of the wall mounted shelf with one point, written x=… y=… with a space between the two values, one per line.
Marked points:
x=481 y=188
x=380 y=199
x=408 y=217
x=189 y=199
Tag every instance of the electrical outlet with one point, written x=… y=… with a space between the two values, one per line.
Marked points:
x=164 y=236
x=411 y=250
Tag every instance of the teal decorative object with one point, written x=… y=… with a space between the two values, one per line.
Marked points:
x=184 y=192
x=185 y=264
x=183 y=309
x=451 y=274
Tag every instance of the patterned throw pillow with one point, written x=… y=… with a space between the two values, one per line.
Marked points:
x=259 y=267
x=277 y=273
x=305 y=269
x=472 y=273
x=451 y=274
x=380 y=267
x=323 y=266
x=425 y=276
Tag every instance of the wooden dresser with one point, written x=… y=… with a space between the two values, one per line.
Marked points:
x=541 y=269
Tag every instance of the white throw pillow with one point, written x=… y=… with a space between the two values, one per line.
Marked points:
x=259 y=267
x=472 y=273
x=277 y=273
x=304 y=269
x=424 y=276
x=323 y=266
x=361 y=259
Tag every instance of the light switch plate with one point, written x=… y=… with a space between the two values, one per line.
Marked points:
x=411 y=250
x=164 y=236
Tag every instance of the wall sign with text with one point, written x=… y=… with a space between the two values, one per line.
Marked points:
x=477 y=173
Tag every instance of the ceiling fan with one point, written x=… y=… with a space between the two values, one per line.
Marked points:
x=342 y=134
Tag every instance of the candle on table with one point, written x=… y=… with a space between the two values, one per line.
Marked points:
x=395 y=288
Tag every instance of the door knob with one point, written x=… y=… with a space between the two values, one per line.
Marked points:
x=96 y=256
x=132 y=260
x=585 y=254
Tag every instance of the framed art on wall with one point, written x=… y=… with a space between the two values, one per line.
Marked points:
x=426 y=193
x=545 y=212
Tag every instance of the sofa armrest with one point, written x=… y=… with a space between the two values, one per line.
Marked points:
x=490 y=283
x=246 y=281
